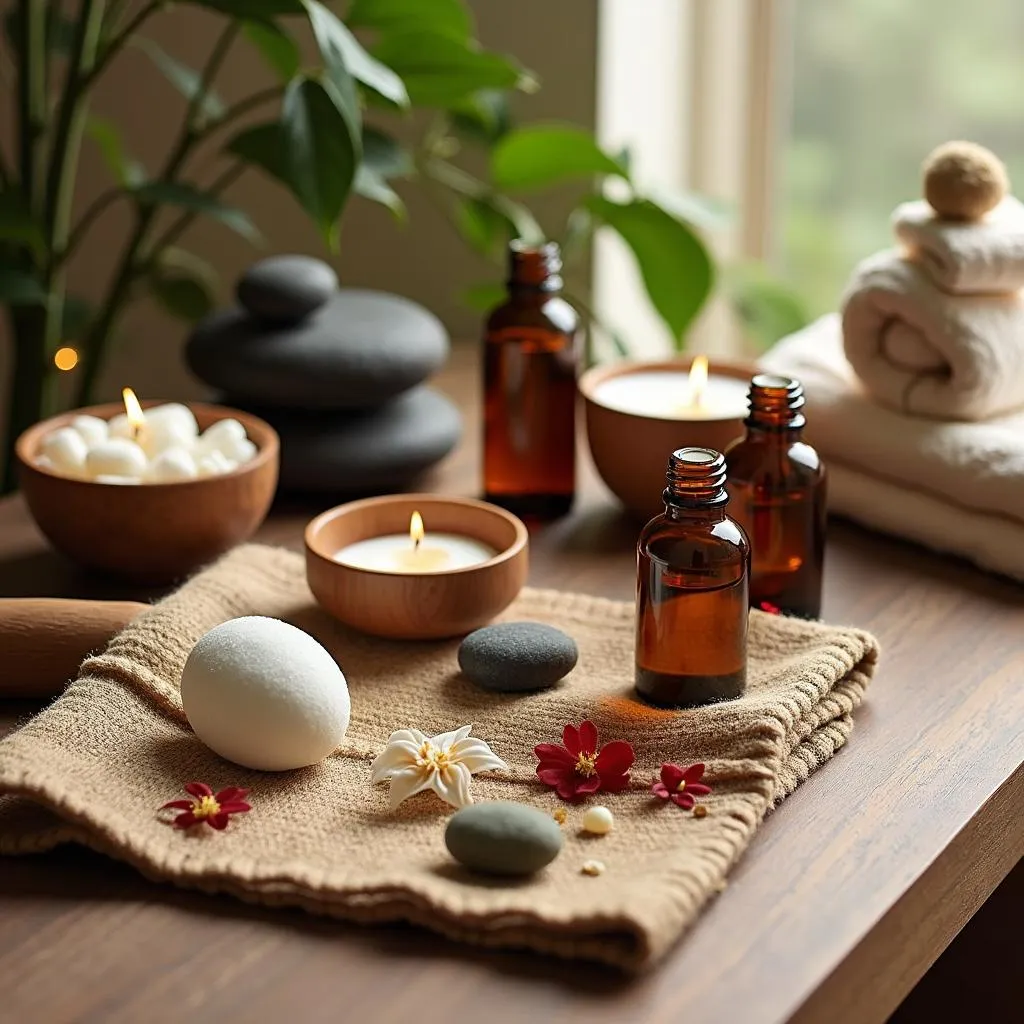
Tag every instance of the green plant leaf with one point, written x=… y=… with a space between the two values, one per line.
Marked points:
x=338 y=46
x=262 y=145
x=16 y=221
x=438 y=17
x=674 y=263
x=483 y=118
x=767 y=308
x=540 y=155
x=440 y=71
x=174 y=193
x=185 y=79
x=18 y=288
x=278 y=49
x=374 y=187
x=181 y=295
x=481 y=225
x=484 y=296
x=253 y=10
x=384 y=154
x=127 y=173
x=700 y=211
x=321 y=153
x=76 y=317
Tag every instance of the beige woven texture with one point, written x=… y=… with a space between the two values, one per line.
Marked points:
x=94 y=767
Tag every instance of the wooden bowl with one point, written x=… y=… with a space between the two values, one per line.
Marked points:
x=151 y=533
x=631 y=450
x=410 y=606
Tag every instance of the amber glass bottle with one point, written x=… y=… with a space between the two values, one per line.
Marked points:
x=530 y=362
x=692 y=573
x=777 y=485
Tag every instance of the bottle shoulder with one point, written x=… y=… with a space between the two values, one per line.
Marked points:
x=671 y=540
x=551 y=313
x=756 y=460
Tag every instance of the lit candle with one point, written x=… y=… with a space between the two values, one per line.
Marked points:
x=415 y=552
x=676 y=394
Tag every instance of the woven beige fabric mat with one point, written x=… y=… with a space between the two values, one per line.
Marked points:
x=94 y=767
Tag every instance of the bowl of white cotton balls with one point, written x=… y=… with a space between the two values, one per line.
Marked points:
x=150 y=492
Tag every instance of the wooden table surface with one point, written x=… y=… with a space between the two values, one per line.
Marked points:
x=846 y=896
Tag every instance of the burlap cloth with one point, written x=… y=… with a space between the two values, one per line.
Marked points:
x=94 y=767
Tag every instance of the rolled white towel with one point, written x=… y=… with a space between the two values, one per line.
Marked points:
x=924 y=352
x=966 y=257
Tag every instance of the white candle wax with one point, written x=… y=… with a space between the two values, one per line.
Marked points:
x=665 y=394
x=437 y=552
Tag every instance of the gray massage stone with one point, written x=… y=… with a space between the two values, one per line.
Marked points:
x=502 y=838
x=285 y=289
x=517 y=656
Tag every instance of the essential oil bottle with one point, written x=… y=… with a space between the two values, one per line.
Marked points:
x=777 y=485
x=530 y=364
x=693 y=563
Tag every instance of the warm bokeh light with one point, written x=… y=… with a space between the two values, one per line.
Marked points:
x=133 y=409
x=416 y=529
x=65 y=358
x=698 y=380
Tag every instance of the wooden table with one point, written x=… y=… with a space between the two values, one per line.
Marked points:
x=847 y=895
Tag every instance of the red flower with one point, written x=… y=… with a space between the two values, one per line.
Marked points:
x=771 y=609
x=681 y=785
x=213 y=809
x=579 y=768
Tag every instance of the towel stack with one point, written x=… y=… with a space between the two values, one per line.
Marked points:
x=916 y=396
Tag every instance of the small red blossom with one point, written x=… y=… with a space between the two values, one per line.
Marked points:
x=213 y=808
x=771 y=609
x=580 y=768
x=681 y=785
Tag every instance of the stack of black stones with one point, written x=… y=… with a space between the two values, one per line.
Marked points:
x=338 y=372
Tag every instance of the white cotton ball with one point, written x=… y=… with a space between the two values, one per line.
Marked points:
x=119 y=426
x=116 y=457
x=222 y=432
x=92 y=429
x=171 y=465
x=175 y=413
x=215 y=464
x=265 y=695
x=66 y=451
x=105 y=478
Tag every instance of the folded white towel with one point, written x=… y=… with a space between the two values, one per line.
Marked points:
x=966 y=257
x=927 y=353
x=956 y=487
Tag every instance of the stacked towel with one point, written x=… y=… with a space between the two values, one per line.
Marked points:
x=956 y=487
x=938 y=329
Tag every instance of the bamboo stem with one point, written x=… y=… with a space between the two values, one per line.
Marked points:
x=32 y=100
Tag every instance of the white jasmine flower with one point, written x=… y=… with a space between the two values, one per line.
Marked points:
x=414 y=761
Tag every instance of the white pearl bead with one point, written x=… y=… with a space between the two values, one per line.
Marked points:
x=214 y=464
x=66 y=451
x=172 y=464
x=91 y=428
x=117 y=457
x=598 y=820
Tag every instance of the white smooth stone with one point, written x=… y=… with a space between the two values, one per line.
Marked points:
x=92 y=429
x=598 y=820
x=116 y=457
x=265 y=695
x=241 y=451
x=118 y=426
x=44 y=462
x=106 y=478
x=223 y=431
x=174 y=412
x=171 y=465
x=157 y=436
x=215 y=464
x=66 y=449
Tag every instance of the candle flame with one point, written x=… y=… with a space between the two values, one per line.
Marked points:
x=136 y=417
x=698 y=379
x=416 y=530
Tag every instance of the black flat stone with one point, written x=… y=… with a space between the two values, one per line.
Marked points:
x=285 y=289
x=511 y=657
x=357 y=351
x=363 y=452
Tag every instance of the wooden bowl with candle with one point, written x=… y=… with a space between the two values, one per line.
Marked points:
x=416 y=566
x=638 y=413
x=149 y=532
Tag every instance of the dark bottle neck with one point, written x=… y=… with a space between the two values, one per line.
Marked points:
x=533 y=269
x=696 y=485
x=775 y=405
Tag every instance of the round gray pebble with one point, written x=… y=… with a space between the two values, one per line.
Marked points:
x=503 y=838
x=284 y=289
x=516 y=656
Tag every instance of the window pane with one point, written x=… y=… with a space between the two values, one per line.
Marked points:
x=876 y=85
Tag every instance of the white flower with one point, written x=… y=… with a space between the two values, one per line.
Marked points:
x=414 y=761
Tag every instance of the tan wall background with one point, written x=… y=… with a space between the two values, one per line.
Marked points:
x=424 y=259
